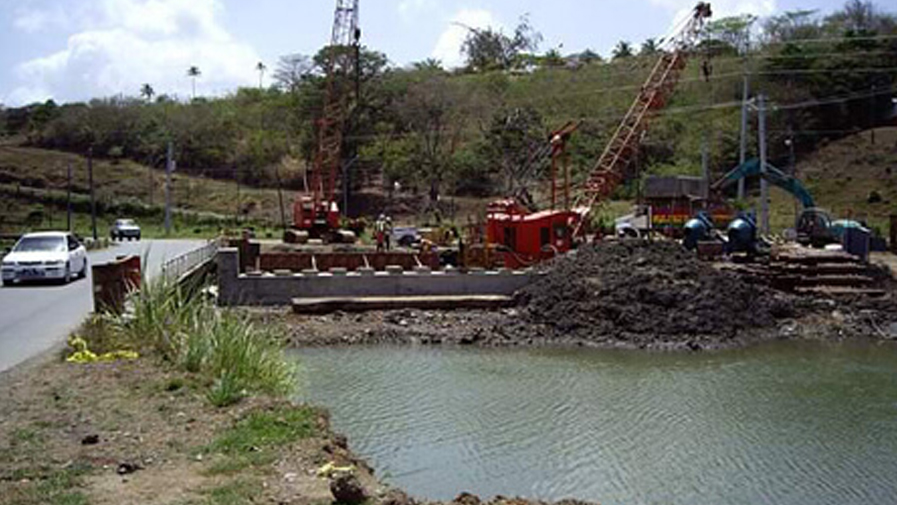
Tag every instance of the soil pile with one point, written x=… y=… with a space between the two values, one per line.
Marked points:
x=648 y=294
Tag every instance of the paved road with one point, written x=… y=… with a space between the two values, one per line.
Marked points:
x=33 y=318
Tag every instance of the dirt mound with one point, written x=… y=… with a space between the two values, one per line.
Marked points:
x=647 y=293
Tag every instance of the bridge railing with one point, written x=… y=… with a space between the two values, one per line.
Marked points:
x=176 y=268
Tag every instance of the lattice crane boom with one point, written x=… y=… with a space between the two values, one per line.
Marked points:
x=340 y=65
x=607 y=173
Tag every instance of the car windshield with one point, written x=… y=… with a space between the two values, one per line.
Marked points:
x=40 y=244
x=126 y=222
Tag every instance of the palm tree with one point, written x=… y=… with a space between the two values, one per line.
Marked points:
x=261 y=69
x=194 y=72
x=622 y=50
x=649 y=47
x=147 y=92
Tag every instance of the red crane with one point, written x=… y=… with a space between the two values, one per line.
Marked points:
x=607 y=174
x=528 y=237
x=317 y=212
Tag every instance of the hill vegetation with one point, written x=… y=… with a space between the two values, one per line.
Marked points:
x=430 y=131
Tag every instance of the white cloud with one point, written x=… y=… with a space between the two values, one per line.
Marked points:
x=141 y=41
x=31 y=20
x=410 y=9
x=448 y=46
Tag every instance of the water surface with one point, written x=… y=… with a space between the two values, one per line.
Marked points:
x=784 y=424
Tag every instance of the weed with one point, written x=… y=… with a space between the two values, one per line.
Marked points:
x=263 y=429
x=223 y=349
x=234 y=493
x=49 y=486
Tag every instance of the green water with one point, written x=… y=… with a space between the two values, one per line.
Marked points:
x=781 y=424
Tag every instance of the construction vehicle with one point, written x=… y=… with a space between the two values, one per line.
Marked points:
x=528 y=236
x=814 y=226
x=316 y=213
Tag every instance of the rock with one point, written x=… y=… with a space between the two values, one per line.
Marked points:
x=466 y=499
x=91 y=439
x=346 y=489
x=396 y=497
x=125 y=468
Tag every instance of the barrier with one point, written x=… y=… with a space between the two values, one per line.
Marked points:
x=182 y=266
x=281 y=288
x=113 y=281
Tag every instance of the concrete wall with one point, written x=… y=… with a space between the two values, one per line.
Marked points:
x=279 y=289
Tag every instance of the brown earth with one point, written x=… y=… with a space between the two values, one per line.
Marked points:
x=621 y=294
x=120 y=433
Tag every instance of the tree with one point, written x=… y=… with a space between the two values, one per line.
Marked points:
x=623 y=49
x=490 y=49
x=147 y=91
x=292 y=70
x=734 y=31
x=260 y=67
x=193 y=72
x=428 y=65
x=649 y=47
x=553 y=58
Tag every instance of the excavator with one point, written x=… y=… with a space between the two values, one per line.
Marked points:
x=526 y=236
x=814 y=226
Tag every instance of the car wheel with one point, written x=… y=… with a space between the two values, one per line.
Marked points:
x=83 y=273
x=68 y=274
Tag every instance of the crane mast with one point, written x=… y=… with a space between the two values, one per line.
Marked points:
x=607 y=173
x=318 y=211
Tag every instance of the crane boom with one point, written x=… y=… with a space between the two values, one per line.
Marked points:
x=607 y=173
x=318 y=210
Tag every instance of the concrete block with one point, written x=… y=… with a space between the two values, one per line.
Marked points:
x=366 y=272
x=315 y=242
x=505 y=271
x=283 y=273
x=394 y=269
x=310 y=272
x=423 y=270
x=254 y=273
x=339 y=271
x=476 y=271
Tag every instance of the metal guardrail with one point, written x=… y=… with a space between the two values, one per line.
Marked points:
x=176 y=268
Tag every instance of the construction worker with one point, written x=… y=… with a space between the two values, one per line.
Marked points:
x=387 y=230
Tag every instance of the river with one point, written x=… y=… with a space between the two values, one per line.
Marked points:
x=781 y=423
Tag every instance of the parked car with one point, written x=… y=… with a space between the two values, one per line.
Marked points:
x=45 y=256
x=124 y=229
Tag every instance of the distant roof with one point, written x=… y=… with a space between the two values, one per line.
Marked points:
x=46 y=234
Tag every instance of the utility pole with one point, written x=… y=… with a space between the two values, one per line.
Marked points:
x=764 y=186
x=705 y=166
x=68 y=200
x=93 y=199
x=283 y=216
x=169 y=167
x=742 y=155
x=872 y=114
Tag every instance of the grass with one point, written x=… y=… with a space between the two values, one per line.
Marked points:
x=233 y=493
x=254 y=440
x=223 y=348
x=48 y=486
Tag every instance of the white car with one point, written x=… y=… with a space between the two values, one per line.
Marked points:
x=51 y=255
x=124 y=229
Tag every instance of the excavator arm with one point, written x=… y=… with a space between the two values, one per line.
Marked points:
x=773 y=175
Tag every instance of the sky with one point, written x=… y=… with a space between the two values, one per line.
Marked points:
x=72 y=50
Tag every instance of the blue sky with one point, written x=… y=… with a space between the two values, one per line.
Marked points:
x=77 y=49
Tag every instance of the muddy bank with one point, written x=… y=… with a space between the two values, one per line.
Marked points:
x=621 y=294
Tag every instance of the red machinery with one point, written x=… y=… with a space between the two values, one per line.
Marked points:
x=531 y=237
x=317 y=212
